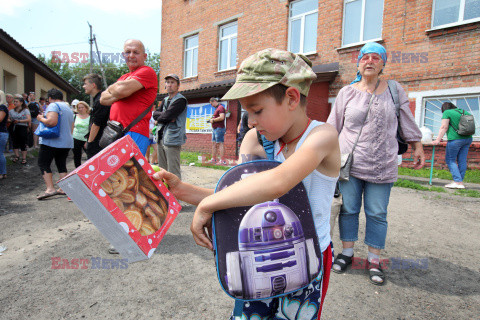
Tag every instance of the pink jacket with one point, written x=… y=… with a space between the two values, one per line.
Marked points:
x=375 y=157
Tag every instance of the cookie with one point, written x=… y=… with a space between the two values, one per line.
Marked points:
x=140 y=200
x=135 y=217
x=107 y=187
x=147 y=229
x=127 y=196
x=149 y=193
x=154 y=219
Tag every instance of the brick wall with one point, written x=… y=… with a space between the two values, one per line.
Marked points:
x=439 y=161
x=202 y=142
x=419 y=59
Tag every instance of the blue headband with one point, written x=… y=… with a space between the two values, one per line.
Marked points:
x=371 y=47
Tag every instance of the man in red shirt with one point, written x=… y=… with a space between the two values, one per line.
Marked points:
x=133 y=93
x=218 y=131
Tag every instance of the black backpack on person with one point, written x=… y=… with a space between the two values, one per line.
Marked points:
x=466 y=125
x=34 y=109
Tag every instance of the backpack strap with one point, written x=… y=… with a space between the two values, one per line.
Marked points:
x=268 y=146
x=462 y=113
x=392 y=86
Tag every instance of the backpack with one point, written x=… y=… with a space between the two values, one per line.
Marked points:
x=34 y=109
x=402 y=145
x=267 y=250
x=466 y=125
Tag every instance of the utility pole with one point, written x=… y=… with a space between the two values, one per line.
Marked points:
x=100 y=62
x=91 y=56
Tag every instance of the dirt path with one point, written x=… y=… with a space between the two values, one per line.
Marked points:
x=434 y=241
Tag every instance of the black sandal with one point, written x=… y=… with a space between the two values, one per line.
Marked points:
x=24 y=161
x=15 y=159
x=374 y=270
x=343 y=265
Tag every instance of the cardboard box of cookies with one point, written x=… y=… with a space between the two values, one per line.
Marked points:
x=114 y=189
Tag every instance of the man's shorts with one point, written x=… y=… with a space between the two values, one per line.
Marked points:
x=218 y=135
x=141 y=141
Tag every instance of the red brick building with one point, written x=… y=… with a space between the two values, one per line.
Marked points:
x=433 y=51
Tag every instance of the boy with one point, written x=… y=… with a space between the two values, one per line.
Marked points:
x=272 y=86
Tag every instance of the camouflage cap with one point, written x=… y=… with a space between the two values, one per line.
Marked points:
x=269 y=67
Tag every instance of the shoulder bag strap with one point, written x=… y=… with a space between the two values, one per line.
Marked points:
x=366 y=115
x=137 y=119
x=392 y=86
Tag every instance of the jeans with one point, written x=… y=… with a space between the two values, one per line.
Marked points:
x=3 y=143
x=456 y=157
x=376 y=197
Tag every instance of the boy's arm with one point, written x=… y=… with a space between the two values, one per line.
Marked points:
x=250 y=149
x=320 y=151
x=182 y=190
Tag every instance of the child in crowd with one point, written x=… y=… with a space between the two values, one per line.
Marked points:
x=272 y=86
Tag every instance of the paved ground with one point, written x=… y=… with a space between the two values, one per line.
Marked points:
x=433 y=244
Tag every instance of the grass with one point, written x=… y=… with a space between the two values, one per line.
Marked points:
x=467 y=193
x=188 y=158
x=471 y=176
x=403 y=183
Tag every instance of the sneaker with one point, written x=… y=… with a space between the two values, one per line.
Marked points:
x=223 y=162
x=454 y=185
x=212 y=161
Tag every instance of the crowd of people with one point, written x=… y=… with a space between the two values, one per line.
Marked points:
x=363 y=119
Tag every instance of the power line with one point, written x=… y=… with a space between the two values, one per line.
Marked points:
x=56 y=45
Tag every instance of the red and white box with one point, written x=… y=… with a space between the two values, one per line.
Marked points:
x=114 y=189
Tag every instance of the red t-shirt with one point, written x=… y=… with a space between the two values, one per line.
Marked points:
x=219 y=124
x=128 y=109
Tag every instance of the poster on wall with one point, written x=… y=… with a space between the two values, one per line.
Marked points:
x=198 y=116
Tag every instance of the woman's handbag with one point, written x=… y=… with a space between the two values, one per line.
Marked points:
x=346 y=159
x=114 y=129
x=49 y=132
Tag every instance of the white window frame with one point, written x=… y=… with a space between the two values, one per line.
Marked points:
x=422 y=97
x=189 y=74
x=229 y=39
x=362 y=25
x=453 y=24
x=302 y=28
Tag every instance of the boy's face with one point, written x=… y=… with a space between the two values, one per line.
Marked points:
x=269 y=118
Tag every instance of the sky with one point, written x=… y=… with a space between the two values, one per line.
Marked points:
x=43 y=26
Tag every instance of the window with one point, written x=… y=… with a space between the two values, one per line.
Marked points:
x=362 y=21
x=227 y=46
x=302 y=27
x=432 y=117
x=450 y=12
x=190 y=59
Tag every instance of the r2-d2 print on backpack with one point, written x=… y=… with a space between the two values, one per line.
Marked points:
x=273 y=257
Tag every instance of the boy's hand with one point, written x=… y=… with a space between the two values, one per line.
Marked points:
x=201 y=225
x=172 y=181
